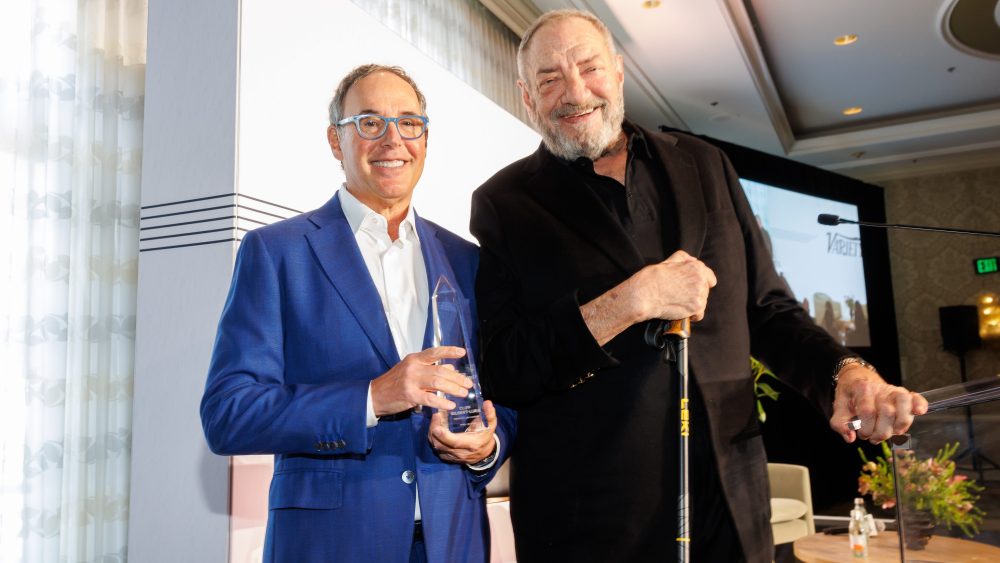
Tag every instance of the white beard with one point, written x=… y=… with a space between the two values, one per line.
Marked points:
x=593 y=147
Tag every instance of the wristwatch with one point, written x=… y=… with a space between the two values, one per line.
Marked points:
x=488 y=461
x=846 y=361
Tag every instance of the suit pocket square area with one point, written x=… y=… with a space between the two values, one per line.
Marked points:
x=310 y=489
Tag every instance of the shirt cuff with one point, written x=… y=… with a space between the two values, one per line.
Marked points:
x=490 y=460
x=372 y=420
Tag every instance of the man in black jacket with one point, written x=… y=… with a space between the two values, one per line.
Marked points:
x=606 y=228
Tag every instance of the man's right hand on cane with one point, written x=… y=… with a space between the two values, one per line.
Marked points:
x=676 y=288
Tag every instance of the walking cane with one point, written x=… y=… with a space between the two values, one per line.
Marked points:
x=656 y=335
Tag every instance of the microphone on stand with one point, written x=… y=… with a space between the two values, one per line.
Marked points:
x=828 y=219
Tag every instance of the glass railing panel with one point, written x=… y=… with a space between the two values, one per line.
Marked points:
x=944 y=477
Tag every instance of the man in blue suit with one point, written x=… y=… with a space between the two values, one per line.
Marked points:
x=323 y=357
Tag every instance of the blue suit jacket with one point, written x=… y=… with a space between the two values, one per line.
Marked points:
x=301 y=335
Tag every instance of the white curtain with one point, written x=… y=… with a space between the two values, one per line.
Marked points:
x=462 y=36
x=71 y=98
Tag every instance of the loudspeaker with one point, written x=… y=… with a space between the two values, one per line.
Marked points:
x=960 y=328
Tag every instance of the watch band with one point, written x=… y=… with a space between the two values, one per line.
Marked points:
x=489 y=460
x=846 y=361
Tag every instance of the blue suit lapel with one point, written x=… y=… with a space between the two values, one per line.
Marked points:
x=337 y=252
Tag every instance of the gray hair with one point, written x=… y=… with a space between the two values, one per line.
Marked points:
x=336 y=107
x=556 y=15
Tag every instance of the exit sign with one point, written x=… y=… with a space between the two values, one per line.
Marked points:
x=986 y=265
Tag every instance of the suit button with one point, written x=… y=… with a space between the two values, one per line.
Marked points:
x=341 y=444
x=408 y=477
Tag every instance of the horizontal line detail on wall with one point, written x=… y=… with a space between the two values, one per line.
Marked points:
x=189 y=244
x=227 y=218
x=148 y=217
x=245 y=213
x=186 y=201
x=192 y=233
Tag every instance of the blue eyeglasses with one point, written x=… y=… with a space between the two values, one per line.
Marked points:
x=371 y=126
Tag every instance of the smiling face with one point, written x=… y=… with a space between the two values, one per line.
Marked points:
x=572 y=88
x=381 y=173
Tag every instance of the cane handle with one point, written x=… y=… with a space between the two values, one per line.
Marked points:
x=680 y=328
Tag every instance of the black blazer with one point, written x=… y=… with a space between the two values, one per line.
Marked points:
x=594 y=464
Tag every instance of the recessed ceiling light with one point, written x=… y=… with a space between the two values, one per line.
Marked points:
x=852 y=110
x=845 y=40
x=651 y=4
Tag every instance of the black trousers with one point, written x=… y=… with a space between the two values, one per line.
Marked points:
x=713 y=533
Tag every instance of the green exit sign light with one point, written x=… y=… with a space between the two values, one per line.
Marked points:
x=986 y=265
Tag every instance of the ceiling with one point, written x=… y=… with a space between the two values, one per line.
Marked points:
x=766 y=74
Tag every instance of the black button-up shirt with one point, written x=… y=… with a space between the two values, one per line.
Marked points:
x=641 y=205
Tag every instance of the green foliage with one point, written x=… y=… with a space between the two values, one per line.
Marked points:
x=929 y=485
x=761 y=389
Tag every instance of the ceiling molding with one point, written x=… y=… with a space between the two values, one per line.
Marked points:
x=914 y=156
x=899 y=132
x=518 y=15
x=741 y=26
x=949 y=37
x=959 y=162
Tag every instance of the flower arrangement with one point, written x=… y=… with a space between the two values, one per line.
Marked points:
x=930 y=485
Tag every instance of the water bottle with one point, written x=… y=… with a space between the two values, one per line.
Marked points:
x=857 y=530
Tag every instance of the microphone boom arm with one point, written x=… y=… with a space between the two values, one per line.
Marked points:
x=827 y=219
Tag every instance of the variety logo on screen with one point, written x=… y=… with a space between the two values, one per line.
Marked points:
x=829 y=283
x=844 y=246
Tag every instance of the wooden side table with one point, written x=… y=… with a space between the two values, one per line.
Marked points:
x=822 y=548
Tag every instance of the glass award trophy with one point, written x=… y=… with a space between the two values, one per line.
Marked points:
x=450 y=330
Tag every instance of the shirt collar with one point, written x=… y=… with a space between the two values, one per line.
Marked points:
x=360 y=216
x=637 y=142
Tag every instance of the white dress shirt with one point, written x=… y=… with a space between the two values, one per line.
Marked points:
x=398 y=272
x=400 y=276
x=397 y=269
